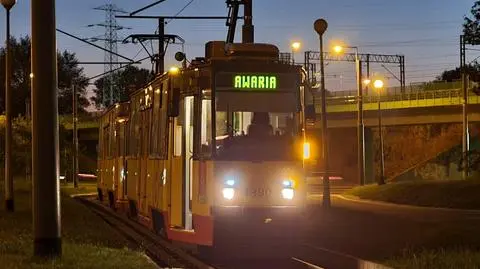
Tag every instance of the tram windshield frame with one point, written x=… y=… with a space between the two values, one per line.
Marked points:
x=252 y=125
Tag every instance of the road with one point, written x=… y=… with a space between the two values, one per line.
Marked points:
x=333 y=238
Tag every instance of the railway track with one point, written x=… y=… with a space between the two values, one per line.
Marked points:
x=162 y=252
x=166 y=255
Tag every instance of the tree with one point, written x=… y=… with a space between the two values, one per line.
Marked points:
x=471 y=25
x=473 y=71
x=128 y=79
x=68 y=71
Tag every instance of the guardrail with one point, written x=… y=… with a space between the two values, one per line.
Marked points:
x=396 y=101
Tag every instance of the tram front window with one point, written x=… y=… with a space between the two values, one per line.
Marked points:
x=255 y=135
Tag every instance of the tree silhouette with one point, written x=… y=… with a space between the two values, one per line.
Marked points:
x=130 y=78
x=68 y=71
x=473 y=71
x=471 y=25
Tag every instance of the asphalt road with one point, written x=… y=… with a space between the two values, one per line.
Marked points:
x=351 y=232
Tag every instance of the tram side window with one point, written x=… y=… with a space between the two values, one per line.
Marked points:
x=134 y=128
x=178 y=132
x=113 y=139
x=130 y=130
x=206 y=128
x=162 y=134
x=106 y=142
x=157 y=99
x=121 y=140
x=100 y=143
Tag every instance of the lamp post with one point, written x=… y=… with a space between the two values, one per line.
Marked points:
x=75 y=136
x=378 y=85
x=361 y=127
x=466 y=135
x=295 y=47
x=9 y=204
x=320 y=27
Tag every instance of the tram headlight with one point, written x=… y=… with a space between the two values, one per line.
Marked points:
x=306 y=151
x=228 y=193
x=288 y=193
x=230 y=182
x=288 y=183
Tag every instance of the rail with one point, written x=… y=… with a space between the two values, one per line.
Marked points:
x=163 y=253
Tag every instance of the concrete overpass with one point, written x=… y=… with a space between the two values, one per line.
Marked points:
x=87 y=127
x=421 y=107
x=428 y=107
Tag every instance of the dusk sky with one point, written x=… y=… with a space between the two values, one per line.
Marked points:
x=425 y=31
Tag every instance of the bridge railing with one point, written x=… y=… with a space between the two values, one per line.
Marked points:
x=449 y=96
x=410 y=89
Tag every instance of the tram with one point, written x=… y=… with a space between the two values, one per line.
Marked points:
x=220 y=142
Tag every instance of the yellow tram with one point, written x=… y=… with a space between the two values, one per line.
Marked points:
x=219 y=142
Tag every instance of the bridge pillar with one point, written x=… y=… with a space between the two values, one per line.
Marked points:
x=369 y=157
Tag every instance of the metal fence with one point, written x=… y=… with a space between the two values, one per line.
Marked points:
x=399 y=100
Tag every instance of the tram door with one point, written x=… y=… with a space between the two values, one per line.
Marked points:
x=180 y=210
x=188 y=161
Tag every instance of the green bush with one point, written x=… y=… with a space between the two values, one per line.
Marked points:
x=22 y=147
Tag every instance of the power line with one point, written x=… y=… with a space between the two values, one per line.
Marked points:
x=180 y=11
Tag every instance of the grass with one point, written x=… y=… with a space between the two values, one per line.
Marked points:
x=449 y=244
x=445 y=259
x=83 y=188
x=87 y=241
x=445 y=194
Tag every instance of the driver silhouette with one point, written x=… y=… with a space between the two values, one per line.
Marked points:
x=260 y=125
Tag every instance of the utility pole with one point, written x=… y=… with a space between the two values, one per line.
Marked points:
x=367 y=87
x=75 y=137
x=248 y=28
x=9 y=204
x=361 y=127
x=465 y=137
x=320 y=27
x=45 y=149
x=160 y=63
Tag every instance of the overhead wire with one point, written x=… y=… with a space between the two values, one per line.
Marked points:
x=180 y=11
x=177 y=14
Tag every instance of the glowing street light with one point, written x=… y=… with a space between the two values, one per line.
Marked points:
x=174 y=70
x=295 y=47
x=378 y=85
x=338 y=49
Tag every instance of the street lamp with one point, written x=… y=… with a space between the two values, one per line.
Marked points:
x=378 y=85
x=361 y=128
x=338 y=49
x=9 y=204
x=320 y=27
x=174 y=70
x=295 y=47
